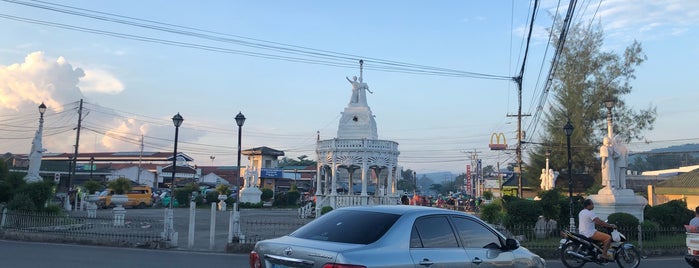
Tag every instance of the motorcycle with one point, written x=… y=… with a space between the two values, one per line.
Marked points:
x=577 y=250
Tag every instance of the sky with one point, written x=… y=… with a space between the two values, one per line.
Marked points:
x=210 y=60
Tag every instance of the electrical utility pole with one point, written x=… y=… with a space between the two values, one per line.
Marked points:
x=520 y=135
x=140 y=158
x=77 y=142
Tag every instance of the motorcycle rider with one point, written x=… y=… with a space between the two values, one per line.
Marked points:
x=587 y=220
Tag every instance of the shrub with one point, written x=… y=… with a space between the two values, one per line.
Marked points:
x=10 y=185
x=184 y=194
x=212 y=197
x=521 y=212
x=280 y=199
x=492 y=213
x=250 y=205
x=223 y=189
x=120 y=185
x=649 y=230
x=292 y=197
x=551 y=203
x=91 y=186
x=53 y=209
x=488 y=195
x=673 y=213
x=39 y=192
x=21 y=202
x=325 y=209
x=623 y=221
x=266 y=194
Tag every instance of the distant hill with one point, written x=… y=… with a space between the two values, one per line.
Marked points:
x=438 y=177
x=664 y=158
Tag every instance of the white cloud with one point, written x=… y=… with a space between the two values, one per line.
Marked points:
x=645 y=19
x=37 y=80
x=100 y=81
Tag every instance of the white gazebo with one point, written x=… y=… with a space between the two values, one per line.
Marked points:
x=356 y=155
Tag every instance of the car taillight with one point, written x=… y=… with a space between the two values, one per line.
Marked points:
x=255 y=261
x=339 y=265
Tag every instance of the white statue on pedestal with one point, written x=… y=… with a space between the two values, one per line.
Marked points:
x=548 y=179
x=615 y=197
x=250 y=193
x=620 y=163
x=607 y=155
x=35 y=157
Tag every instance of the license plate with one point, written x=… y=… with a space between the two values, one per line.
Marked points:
x=279 y=266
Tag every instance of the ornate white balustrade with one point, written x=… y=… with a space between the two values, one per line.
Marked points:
x=357 y=144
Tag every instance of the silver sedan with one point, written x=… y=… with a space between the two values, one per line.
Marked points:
x=393 y=236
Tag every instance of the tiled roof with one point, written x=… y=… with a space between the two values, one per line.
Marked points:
x=686 y=183
x=264 y=150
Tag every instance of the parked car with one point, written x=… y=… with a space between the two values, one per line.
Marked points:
x=393 y=236
x=139 y=197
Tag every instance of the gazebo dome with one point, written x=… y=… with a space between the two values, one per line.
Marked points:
x=357 y=148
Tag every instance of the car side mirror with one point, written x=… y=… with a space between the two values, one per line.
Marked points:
x=511 y=244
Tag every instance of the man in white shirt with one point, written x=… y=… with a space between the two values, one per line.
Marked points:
x=587 y=220
x=695 y=221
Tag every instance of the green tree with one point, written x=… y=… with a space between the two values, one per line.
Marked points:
x=302 y=161
x=586 y=75
x=406 y=182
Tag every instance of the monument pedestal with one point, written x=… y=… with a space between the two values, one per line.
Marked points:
x=250 y=195
x=608 y=201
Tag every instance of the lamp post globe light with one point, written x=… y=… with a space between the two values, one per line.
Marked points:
x=568 y=128
x=239 y=120
x=177 y=121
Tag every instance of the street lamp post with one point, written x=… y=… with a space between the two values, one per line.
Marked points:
x=177 y=121
x=609 y=103
x=239 y=120
x=234 y=233
x=169 y=213
x=92 y=166
x=568 y=128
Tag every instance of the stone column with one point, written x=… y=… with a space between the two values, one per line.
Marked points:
x=333 y=190
x=389 y=182
x=364 y=176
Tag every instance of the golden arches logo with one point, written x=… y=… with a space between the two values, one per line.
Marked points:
x=497 y=145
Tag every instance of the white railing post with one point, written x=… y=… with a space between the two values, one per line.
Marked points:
x=212 y=226
x=4 y=218
x=192 y=220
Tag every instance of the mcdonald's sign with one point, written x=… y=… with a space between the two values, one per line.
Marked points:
x=497 y=145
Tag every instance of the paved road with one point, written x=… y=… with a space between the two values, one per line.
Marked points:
x=675 y=262
x=32 y=254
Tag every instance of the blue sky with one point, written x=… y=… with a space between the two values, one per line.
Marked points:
x=133 y=87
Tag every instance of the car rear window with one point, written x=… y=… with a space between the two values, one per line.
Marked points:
x=348 y=226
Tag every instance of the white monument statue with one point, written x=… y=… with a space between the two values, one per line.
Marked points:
x=548 y=179
x=621 y=161
x=607 y=156
x=36 y=151
x=615 y=197
x=250 y=193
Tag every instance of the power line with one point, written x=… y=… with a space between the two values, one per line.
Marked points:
x=302 y=54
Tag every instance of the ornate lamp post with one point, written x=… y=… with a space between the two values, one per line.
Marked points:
x=239 y=120
x=92 y=166
x=609 y=103
x=177 y=121
x=568 y=128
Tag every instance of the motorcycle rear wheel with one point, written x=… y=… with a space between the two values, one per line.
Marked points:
x=568 y=260
x=628 y=258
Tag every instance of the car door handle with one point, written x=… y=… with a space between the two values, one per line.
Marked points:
x=477 y=261
x=426 y=262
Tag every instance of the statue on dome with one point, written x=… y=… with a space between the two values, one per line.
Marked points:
x=359 y=88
